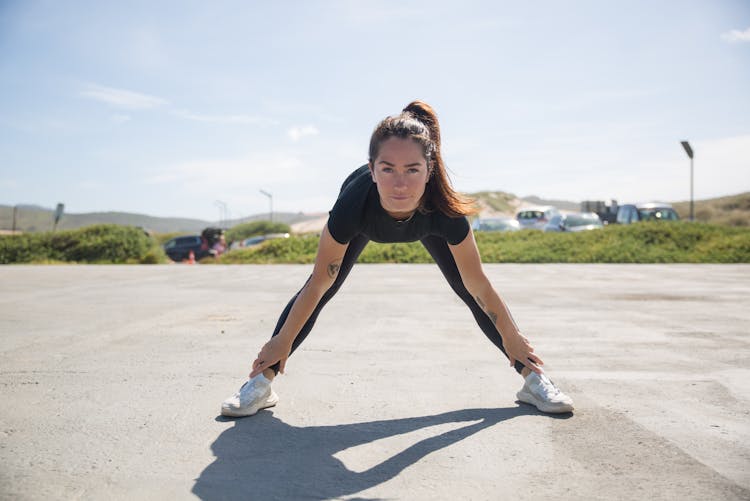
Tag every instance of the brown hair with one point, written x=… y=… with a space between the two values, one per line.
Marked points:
x=419 y=122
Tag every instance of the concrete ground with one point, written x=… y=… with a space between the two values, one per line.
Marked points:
x=111 y=379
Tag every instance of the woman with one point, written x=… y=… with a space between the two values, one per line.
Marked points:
x=402 y=195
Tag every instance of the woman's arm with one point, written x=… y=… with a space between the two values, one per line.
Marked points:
x=469 y=266
x=326 y=269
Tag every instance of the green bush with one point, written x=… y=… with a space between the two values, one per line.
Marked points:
x=300 y=250
x=103 y=243
x=652 y=242
x=23 y=248
x=412 y=252
x=247 y=230
x=155 y=255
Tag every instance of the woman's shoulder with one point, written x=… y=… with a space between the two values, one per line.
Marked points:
x=436 y=214
x=453 y=228
x=359 y=177
x=345 y=218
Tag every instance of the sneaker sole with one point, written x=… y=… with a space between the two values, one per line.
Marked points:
x=270 y=401
x=549 y=408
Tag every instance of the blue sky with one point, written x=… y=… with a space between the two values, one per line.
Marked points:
x=163 y=108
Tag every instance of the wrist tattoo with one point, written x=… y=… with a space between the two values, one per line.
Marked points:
x=333 y=268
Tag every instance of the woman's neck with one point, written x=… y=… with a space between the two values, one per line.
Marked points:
x=401 y=216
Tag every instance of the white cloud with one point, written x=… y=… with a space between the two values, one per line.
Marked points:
x=734 y=36
x=297 y=132
x=225 y=119
x=121 y=98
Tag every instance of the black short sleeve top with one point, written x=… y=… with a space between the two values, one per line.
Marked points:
x=358 y=211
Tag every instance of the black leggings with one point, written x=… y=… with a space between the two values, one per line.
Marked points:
x=438 y=249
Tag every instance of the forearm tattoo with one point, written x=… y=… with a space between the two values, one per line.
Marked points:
x=333 y=268
x=491 y=314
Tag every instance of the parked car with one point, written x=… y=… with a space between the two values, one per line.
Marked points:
x=178 y=249
x=496 y=224
x=536 y=218
x=578 y=221
x=652 y=211
x=209 y=243
x=257 y=240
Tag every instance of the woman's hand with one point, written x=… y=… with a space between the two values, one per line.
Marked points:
x=469 y=265
x=275 y=350
x=518 y=348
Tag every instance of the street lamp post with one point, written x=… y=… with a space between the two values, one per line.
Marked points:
x=222 y=212
x=689 y=152
x=270 y=201
x=58 y=214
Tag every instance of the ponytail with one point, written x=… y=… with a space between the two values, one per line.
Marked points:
x=419 y=122
x=425 y=114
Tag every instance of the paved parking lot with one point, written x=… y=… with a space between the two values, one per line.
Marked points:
x=111 y=378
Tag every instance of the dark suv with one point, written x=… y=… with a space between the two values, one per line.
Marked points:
x=178 y=249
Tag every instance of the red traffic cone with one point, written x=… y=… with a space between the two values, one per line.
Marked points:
x=191 y=258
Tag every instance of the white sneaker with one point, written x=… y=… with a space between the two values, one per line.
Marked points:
x=254 y=395
x=542 y=393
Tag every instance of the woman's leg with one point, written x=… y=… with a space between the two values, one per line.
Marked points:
x=355 y=248
x=438 y=249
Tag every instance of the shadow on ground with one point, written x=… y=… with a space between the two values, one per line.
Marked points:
x=264 y=458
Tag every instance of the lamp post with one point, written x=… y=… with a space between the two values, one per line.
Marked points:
x=270 y=201
x=222 y=212
x=689 y=152
x=58 y=214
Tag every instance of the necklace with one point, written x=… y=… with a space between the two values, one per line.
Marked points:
x=402 y=221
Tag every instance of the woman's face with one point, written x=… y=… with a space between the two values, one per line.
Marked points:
x=401 y=174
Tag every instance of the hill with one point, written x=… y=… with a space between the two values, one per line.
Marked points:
x=32 y=219
x=730 y=211
x=564 y=205
x=494 y=203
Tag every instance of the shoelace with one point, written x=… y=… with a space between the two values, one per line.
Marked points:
x=548 y=386
x=251 y=388
x=237 y=393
